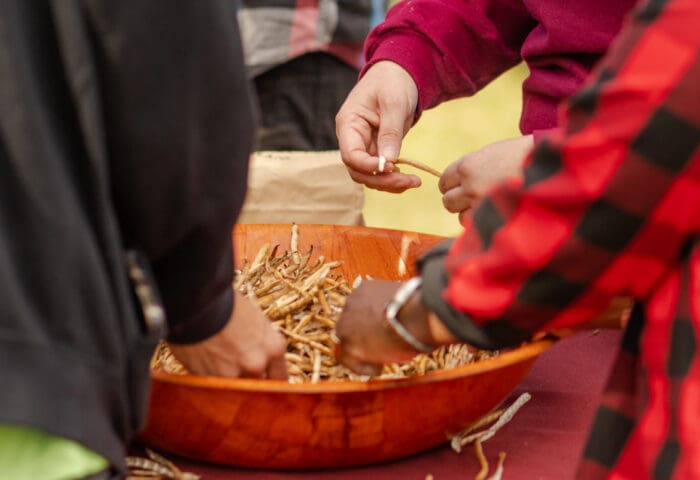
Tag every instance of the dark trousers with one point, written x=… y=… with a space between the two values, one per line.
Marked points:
x=298 y=102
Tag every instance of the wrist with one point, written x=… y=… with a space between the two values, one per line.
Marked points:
x=407 y=317
x=424 y=324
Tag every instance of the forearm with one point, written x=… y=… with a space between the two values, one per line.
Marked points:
x=178 y=149
x=602 y=212
x=459 y=323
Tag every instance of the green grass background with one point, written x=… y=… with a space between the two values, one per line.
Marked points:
x=441 y=136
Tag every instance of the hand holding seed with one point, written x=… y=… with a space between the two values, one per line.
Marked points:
x=373 y=121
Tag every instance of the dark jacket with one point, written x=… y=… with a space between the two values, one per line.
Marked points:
x=124 y=125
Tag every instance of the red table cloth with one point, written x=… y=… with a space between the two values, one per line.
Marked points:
x=543 y=441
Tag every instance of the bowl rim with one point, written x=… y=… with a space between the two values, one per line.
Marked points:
x=241 y=227
x=512 y=356
x=255 y=385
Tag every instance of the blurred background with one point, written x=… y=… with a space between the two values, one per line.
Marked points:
x=441 y=136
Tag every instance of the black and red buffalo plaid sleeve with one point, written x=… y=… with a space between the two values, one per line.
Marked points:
x=602 y=209
x=609 y=207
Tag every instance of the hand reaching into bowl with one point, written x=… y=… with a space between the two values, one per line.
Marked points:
x=247 y=346
x=366 y=341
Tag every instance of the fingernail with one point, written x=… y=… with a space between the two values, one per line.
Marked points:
x=389 y=153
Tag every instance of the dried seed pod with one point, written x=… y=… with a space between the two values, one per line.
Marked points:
x=303 y=297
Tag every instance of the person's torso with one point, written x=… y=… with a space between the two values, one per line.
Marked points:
x=274 y=34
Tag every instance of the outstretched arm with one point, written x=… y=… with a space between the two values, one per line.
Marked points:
x=604 y=210
x=424 y=53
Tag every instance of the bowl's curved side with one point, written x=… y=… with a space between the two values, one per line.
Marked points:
x=277 y=430
x=276 y=425
x=377 y=252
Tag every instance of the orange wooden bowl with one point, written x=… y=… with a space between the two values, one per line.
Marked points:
x=273 y=424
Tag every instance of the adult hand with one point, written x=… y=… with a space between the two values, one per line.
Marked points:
x=247 y=346
x=466 y=180
x=365 y=342
x=372 y=121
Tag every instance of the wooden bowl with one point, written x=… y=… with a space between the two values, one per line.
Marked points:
x=277 y=425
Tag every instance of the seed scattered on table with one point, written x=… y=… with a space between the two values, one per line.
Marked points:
x=472 y=434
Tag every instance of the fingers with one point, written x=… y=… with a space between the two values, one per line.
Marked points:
x=359 y=161
x=362 y=368
x=392 y=129
x=357 y=148
x=277 y=365
x=458 y=194
x=355 y=127
x=363 y=166
x=265 y=358
x=373 y=121
x=266 y=361
x=450 y=177
x=459 y=199
x=394 y=182
x=277 y=369
x=343 y=357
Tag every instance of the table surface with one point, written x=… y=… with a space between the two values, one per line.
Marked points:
x=543 y=441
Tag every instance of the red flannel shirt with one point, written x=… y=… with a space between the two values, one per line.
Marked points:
x=611 y=207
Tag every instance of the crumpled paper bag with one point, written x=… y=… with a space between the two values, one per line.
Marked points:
x=301 y=187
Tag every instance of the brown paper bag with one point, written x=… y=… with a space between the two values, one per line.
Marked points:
x=301 y=187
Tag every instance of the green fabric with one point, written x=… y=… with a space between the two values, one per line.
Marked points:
x=26 y=453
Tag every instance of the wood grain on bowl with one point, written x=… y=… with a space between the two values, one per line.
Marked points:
x=277 y=425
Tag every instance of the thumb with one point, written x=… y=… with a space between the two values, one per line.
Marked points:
x=390 y=133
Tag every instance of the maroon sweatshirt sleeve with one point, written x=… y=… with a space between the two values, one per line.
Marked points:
x=451 y=48
x=569 y=39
